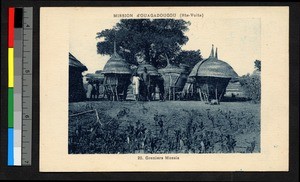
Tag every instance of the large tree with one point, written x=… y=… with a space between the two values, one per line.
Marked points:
x=189 y=58
x=154 y=40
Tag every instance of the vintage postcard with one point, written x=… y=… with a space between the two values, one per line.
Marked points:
x=164 y=89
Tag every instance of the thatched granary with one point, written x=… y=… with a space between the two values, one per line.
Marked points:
x=174 y=79
x=189 y=89
x=76 y=89
x=117 y=75
x=212 y=77
x=152 y=71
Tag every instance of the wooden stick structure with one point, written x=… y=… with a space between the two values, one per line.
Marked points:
x=117 y=94
x=89 y=111
x=216 y=92
x=81 y=113
x=221 y=94
x=170 y=89
x=98 y=117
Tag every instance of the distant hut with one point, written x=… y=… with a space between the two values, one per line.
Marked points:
x=95 y=77
x=98 y=79
x=174 y=78
x=235 y=90
x=212 y=77
x=117 y=75
x=76 y=89
x=151 y=69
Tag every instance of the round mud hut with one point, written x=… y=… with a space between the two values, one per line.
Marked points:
x=117 y=75
x=174 y=79
x=212 y=77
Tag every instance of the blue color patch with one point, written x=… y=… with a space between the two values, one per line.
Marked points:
x=10 y=147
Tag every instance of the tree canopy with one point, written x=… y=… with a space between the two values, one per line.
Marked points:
x=189 y=58
x=257 y=65
x=154 y=41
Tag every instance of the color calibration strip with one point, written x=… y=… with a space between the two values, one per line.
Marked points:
x=19 y=86
x=11 y=28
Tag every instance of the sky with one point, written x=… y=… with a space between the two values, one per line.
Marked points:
x=238 y=41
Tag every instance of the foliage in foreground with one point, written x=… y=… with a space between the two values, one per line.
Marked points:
x=201 y=132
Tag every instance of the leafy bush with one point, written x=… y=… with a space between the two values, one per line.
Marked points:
x=251 y=85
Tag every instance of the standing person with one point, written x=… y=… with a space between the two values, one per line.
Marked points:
x=89 y=90
x=161 y=87
x=136 y=86
x=95 y=90
x=146 y=80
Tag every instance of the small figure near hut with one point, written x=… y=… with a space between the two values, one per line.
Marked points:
x=161 y=87
x=146 y=83
x=95 y=91
x=89 y=90
x=148 y=74
x=136 y=86
x=96 y=79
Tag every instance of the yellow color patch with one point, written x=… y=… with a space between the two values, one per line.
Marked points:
x=10 y=67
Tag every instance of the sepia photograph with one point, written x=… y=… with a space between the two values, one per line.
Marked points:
x=164 y=89
x=164 y=86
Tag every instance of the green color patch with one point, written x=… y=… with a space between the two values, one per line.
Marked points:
x=10 y=107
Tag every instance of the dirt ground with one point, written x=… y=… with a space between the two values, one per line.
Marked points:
x=170 y=126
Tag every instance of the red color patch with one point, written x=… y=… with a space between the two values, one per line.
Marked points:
x=11 y=22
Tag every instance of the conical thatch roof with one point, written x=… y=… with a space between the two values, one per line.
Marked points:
x=73 y=62
x=98 y=72
x=116 y=65
x=171 y=69
x=151 y=69
x=213 y=67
